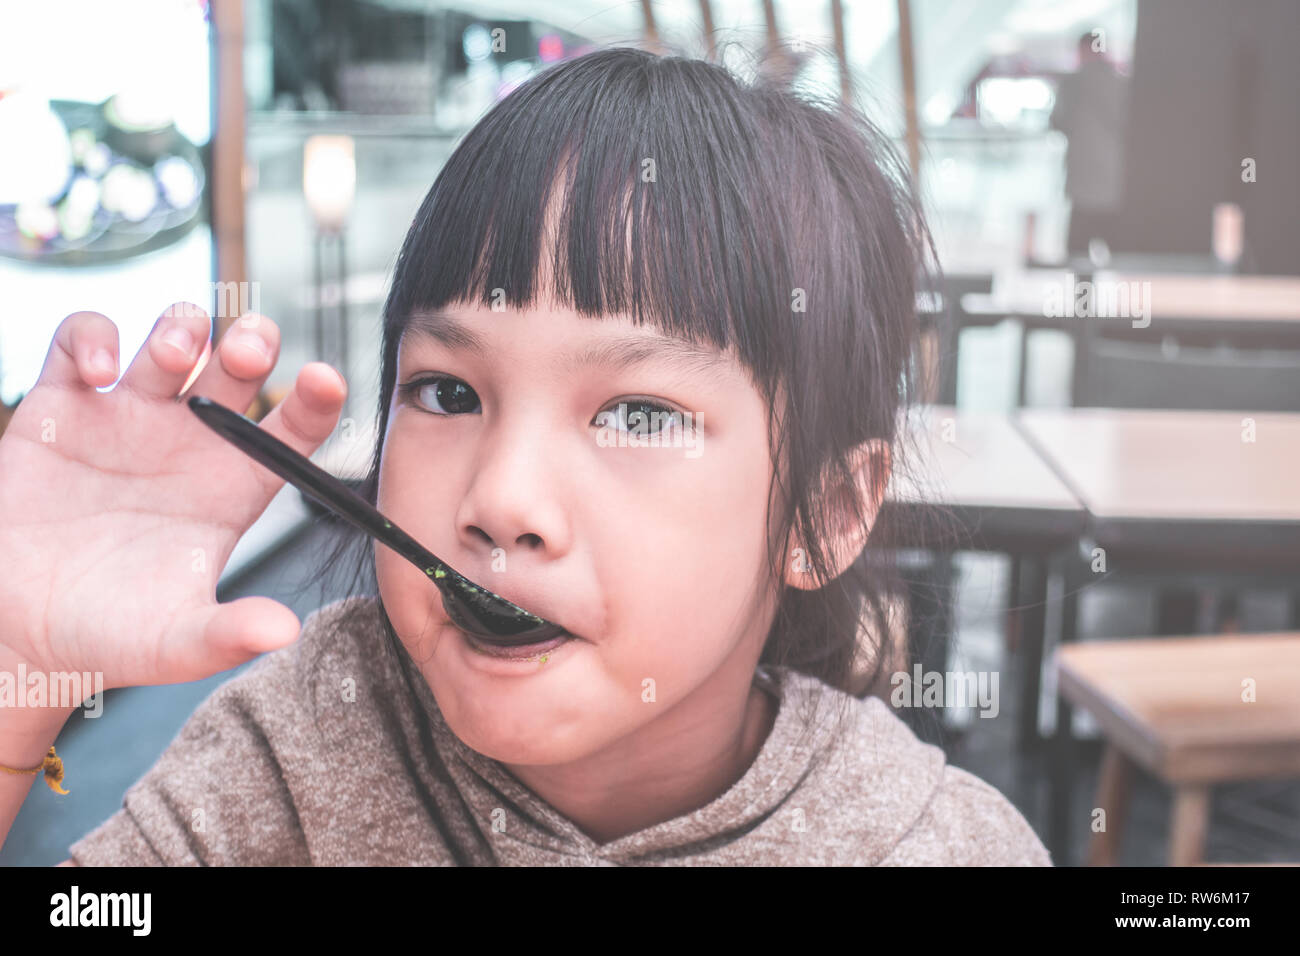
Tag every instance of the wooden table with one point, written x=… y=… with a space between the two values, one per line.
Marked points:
x=1170 y=484
x=1228 y=300
x=1240 y=311
x=1171 y=263
x=1169 y=491
x=1216 y=298
x=979 y=468
x=1191 y=711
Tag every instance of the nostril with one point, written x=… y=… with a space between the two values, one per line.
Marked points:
x=530 y=540
x=487 y=538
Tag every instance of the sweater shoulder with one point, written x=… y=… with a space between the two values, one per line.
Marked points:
x=929 y=812
x=969 y=822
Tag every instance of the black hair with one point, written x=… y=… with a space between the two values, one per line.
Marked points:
x=737 y=214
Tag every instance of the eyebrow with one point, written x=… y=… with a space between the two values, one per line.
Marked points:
x=618 y=352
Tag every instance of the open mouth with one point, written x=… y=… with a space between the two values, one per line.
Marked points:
x=522 y=652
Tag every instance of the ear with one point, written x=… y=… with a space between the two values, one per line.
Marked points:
x=869 y=471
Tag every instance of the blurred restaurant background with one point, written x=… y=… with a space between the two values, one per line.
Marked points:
x=1113 y=413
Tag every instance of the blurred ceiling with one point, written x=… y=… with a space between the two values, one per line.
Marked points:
x=953 y=38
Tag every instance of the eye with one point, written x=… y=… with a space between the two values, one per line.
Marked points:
x=441 y=395
x=642 y=417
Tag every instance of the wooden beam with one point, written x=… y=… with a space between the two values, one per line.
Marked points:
x=769 y=21
x=652 y=41
x=779 y=62
x=908 y=62
x=841 y=55
x=710 y=38
x=228 y=147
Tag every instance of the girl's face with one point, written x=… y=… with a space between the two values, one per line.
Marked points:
x=499 y=460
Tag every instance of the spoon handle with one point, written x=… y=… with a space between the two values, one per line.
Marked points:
x=474 y=607
x=311 y=480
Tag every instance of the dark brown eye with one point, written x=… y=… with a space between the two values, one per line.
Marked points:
x=442 y=395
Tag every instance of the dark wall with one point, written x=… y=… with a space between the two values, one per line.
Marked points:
x=1213 y=83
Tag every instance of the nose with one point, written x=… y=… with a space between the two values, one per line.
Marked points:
x=514 y=501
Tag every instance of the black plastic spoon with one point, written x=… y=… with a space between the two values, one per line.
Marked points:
x=472 y=608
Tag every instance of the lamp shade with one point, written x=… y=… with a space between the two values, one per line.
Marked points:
x=329 y=179
x=1228 y=235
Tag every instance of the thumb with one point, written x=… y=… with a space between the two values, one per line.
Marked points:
x=237 y=631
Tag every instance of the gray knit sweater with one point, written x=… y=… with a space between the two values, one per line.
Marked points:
x=277 y=767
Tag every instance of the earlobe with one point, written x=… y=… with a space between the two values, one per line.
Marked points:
x=869 y=468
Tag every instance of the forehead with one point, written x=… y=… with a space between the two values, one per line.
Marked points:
x=610 y=345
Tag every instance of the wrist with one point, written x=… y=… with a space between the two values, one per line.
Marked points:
x=34 y=705
x=26 y=737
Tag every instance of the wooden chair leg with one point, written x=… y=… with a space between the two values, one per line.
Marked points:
x=1029 y=596
x=1190 y=821
x=1113 y=790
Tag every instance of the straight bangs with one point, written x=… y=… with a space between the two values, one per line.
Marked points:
x=616 y=191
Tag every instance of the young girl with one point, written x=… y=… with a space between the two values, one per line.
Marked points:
x=644 y=354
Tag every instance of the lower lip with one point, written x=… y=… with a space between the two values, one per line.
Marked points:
x=523 y=652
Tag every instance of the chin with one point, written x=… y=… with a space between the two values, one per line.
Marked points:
x=536 y=745
x=535 y=722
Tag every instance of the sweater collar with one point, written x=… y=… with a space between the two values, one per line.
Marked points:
x=807 y=751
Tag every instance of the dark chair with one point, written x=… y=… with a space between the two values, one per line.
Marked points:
x=950 y=323
x=1121 y=374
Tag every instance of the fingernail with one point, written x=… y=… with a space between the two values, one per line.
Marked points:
x=101 y=360
x=251 y=340
x=180 y=338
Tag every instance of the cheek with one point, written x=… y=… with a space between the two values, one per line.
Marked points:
x=408 y=470
x=419 y=488
x=406 y=496
x=413 y=604
x=681 y=570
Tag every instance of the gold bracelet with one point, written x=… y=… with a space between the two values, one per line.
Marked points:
x=53 y=767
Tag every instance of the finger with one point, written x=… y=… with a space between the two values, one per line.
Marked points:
x=244 y=358
x=166 y=359
x=307 y=415
x=218 y=637
x=83 y=353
